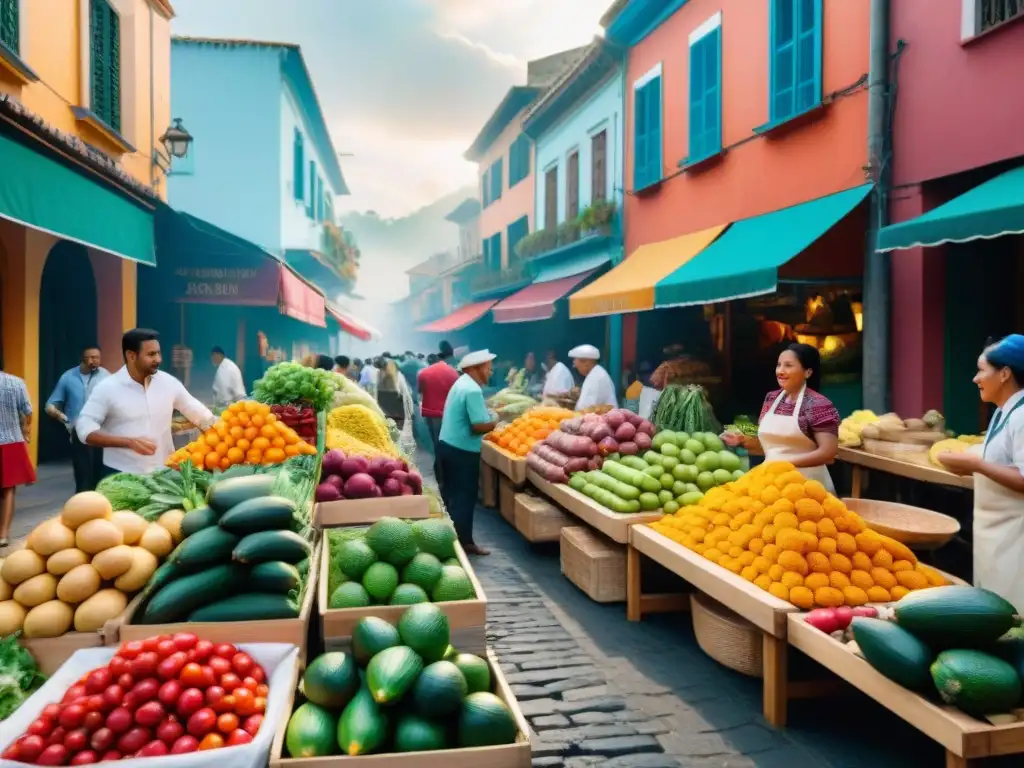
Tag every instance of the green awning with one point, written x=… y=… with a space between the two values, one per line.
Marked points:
x=588 y=262
x=990 y=210
x=744 y=261
x=40 y=192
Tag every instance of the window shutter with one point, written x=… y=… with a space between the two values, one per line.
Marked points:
x=497 y=178
x=697 y=88
x=551 y=199
x=808 y=54
x=485 y=188
x=114 y=68
x=319 y=199
x=10 y=24
x=713 y=92
x=311 y=206
x=640 y=138
x=654 y=131
x=298 y=167
x=598 y=177
x=572 y=188
x=99 y=97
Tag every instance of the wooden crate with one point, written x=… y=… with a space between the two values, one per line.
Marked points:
x=538 y=519
x=516 y=755
x=487 y=495
x=466 y=618
x=51 y=652
x=507 y=499
x=334 y=514
x=292 y=631
x=594 y=564
x=511 y=466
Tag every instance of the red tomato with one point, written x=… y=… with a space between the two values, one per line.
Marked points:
x=149 y=714
x=72 y=716
x=224 y=650
x=95 y=703
x=120 y=720
x=97 y=680
x=184 y=744
x=259 y=674
x=169 y=668
x=203 y=650
x=192 y=674
x=85 y=757
x=131 y=650
x=110 y=754
x=103 y=739
x=250 y=683
x=202 y=722
x=113 y=695
x=230 y=681
x=76 y=740
x=227 y=722
x=134 y=740
x=211 y=741
x=155 y=748
x=169 y=693
x=76 y=691
x=51 y=711
x=146 y=690
x=190 y=702
x=252 y=724
x=151 y=643
x=243 y=663
x=145 y=664
x=227 y=704
x=126 y=681
x=130 y=701
x=165 y=648
x=169 y=731
x=118 y=666
x=30 y=748
x=260 y=704
x=185 y=641
x=55 y=754
x=42 y=726
x=56 y=736
x=93 y=720
x=239 y=737
x=262 y=690
x=245 y=702
x=214 y=694
x=220 y=666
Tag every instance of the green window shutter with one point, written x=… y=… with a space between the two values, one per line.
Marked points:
x=795 y=57
x=299 y=167
x=311 y=205
x=705 y=96
x=105 y=63
x=10 y=24
x=485 y=188
x=114 y=67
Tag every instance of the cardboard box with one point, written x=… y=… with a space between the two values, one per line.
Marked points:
x=334 y=514
x=517 y=755
x=466 y=618
x=51 y=652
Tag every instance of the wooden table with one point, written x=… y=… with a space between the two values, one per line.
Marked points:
x=965 y=739
x=507 y=464
x=862 y=461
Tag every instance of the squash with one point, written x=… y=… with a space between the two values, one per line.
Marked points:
x=79 y=584
x=50 y=619
x=83 y=507
x=21 y=566
x=105 y=605
x=157 y=540
x=50 y=537
x=143 y=566
x=111 y=563
x=94 y=536
x=171 y=521
x=12 y=617
x=37 y=590
x=60 y=563
x=132 y=526
x=6 y=592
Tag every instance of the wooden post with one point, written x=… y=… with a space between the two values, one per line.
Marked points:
x=776 y=673
x=633 y=591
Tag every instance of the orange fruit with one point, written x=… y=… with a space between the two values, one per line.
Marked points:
x=211 y=438
x=243 y=419
x=220 y=428
x=277 y=442
x=236 y=432
x=243 y=444
x=237 y=455
x=262 y=408
x=260 y=444
x=212 y=460
x=274 y=455
x=253 y=456
x=271 y=418
x=290 y=437
x=225 y=463
x=291 y=450
x=197 y=459
x=258 y=420
x=251 y=406
x=250 y=433
x=268 y=431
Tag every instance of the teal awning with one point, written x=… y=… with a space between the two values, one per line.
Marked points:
x=560 y=270
x=744 y=261
x=990 y=210
x=38 y=191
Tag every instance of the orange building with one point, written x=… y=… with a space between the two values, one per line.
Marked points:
x=745 y=156
x=84 y=103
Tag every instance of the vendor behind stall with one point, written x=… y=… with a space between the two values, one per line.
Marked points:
x=558 y=379
x=598 y=387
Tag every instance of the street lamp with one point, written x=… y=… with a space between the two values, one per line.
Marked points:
x=176 y=140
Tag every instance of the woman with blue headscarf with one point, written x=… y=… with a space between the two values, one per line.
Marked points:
x=998 y=469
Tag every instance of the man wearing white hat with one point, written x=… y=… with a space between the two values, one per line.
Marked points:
x=464 y=423
x=598 y=388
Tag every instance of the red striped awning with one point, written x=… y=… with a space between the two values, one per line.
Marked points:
x=458 y=319
x=536 y=301
x=301 y=301
x=351 y=325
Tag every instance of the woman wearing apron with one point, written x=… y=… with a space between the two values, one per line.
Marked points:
x=997 y=466
x=798 y=424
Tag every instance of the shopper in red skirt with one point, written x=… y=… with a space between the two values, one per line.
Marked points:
x=15 y=428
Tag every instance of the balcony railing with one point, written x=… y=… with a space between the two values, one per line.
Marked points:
x=487 y=281
x=339 y=251
x=599 y=220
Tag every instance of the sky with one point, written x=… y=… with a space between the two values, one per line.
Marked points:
x=405 y=85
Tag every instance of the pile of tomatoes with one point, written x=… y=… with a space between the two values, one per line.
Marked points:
x=167 y=695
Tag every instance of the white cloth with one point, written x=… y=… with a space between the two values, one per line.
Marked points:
x=585 y=352
x=999 y=511
x=558 y=381
x=598 y=389
x=368 y=376
x=782 y=440
x=228 y=386
x=648 y=399
x=122 y=407
x=476 y=358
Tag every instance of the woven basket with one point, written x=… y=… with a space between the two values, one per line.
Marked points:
x=594 y=564
x=908 y=452
x=727 y=637
x=916 y=527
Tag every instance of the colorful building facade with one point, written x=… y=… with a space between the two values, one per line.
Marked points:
x=84 y=102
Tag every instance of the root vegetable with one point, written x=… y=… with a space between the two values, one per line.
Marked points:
x=547 y=470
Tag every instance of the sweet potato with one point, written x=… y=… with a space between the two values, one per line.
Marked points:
x=546 y=469
x=572 y=445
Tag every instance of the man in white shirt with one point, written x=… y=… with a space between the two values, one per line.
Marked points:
x=228 y=386
x=558 y=380
x=129 y=413
x=598 y=388
x=368 y=375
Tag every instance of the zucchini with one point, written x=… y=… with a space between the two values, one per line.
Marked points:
x=196 y=520
x=225 y=494
x=286 y=546
x=163 y=576
x=208 y=547
x=182 y=596
x=254 y=606
x=261 y=514
x=274 y=577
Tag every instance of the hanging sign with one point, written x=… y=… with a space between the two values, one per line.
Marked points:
x=254 y=286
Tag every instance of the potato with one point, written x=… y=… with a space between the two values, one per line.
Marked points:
x=105 y=605
x=111 y=563
x=37 y=590
x=21 y=566
x=12 y=617
x=131 y=524
x=79 y=584
x=157 y=540
x=171 y=521
x=144 y=563
x=61 y=562
x=83 y=507
x=94 y=536
x=50 y=619
x=49 y=537
x=6 y=592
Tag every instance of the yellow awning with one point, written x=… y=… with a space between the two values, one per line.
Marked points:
x=629 y=287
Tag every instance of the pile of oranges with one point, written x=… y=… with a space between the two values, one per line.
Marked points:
x=534 y=425
x=247 y=433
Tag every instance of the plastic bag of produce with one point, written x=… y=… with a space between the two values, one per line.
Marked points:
x=277 y=659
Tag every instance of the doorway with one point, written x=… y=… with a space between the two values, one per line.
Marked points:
x=67 y=324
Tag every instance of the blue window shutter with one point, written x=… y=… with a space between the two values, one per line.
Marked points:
x=654 y=134
x=795 y=57
x=640 y=138
x=485 y=188
x=706 y=96
x=697 y=88
x=783 y=57
x=808 y=54
x=497 y=178
x=311 y=204
x=487 y=253
x=299 y=167
x=319 y=199
x=10 y=24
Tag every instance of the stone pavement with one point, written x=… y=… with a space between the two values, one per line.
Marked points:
x=33 y=504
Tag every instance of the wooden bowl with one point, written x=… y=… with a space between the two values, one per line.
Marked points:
x=916 y=527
